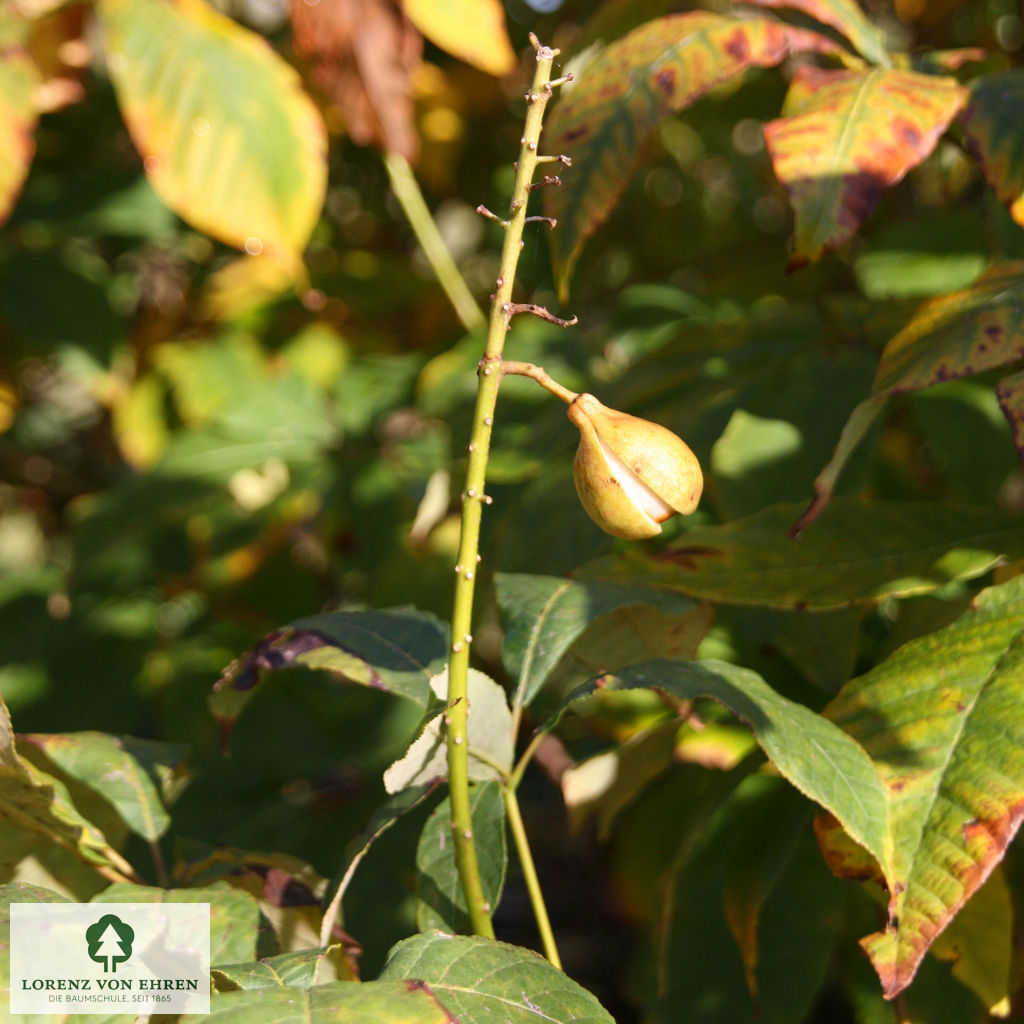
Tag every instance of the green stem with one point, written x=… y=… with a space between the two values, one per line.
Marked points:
x=538 y=374
x=407 y=192
x=540 y=910
x=474 y=498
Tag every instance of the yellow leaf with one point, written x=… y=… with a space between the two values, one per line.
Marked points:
x=472 y=30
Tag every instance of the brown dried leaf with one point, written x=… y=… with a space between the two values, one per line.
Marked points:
x=362 y=54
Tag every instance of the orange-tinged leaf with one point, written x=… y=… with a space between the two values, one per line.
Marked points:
x=844 y=16
x=941 y=720
x=472 y=30
x=845 y=138
x=991 y=123
x=663 y=66
x=229 y=139
x=18 y=115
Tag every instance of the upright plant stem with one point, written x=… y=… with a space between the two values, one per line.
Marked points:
x=474 y=498
x=407 y=192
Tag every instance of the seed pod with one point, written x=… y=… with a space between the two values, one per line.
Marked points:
x=631 y=475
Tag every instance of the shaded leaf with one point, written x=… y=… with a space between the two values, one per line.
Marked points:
x=887 y=549
x=964 y=333
x=979 y=943
x=475 y=978
x=234 y=915
x=1010 y=392
x=229 y=140
x=660 y=67
x=993 y=130
x=397 y=651
x=846 y=17
x=489 y=733
x=544 y=615
x=395 y=807
x=19 y=76
x=472 y=30
x=440 y=901
x=820 y=760
x=134 y=775
x=362 y=55
x=941 y=719
x=847 y=136
x=301 y=969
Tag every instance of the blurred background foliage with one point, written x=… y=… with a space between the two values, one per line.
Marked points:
x=189 y=459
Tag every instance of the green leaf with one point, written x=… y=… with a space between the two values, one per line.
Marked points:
x=18 y=115
x=472 y=30
x=229 y=139
x=993 y=130
x=544 y=615
x=397 y=650
x=134 y=775
x=660 y=67
x=489 y=733
x=477 y=979
x=440 y=901
x=820 y=760
x=964 y=333
x=847 y=136
x=884 y=549
x=1010 y=392
x=941 y=719
x=383 y=818
x=342 y=1002
x=234 y=915
x=300 y=969
x=37 y=802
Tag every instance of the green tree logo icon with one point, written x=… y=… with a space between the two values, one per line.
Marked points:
x=110 y=941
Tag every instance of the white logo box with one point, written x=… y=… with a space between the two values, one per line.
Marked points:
x=107 y=958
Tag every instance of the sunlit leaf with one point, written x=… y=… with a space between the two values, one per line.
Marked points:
x=819 y=759
x=489 y=734
x=33 y=800
x=964 y=333
x=301 y=969
x=440 y=901
x=472 y=30
x=857 y=552
x=847 y=136
x=993 y=130
x=18 y=115
x=234 y=915
x=663 y=66
x=477 y=979
x=941 y=719
x=846 y=17
x=134 y=775
x=228 y=138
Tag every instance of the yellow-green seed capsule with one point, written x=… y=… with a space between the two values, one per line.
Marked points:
x=631 y=475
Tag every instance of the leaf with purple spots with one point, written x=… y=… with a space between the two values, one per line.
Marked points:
x=1010 y=392
x=941 y=721
x=846 y=137
x=661 y=67
x=397 y=650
